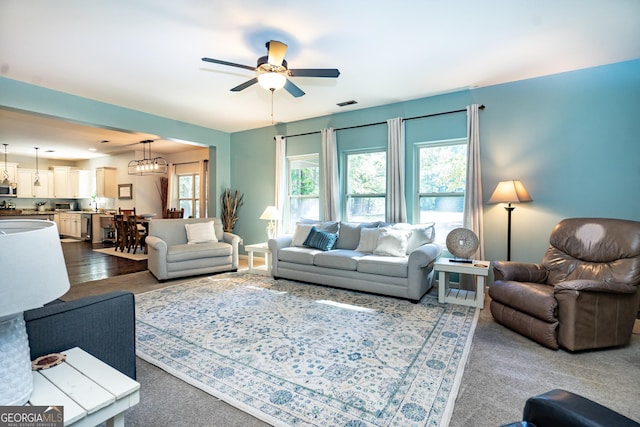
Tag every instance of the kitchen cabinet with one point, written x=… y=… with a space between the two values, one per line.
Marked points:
x=80 y=182
x=71 y=183
x=26 y=189
x=70 y=224
x=12 y=171
x=106 y=182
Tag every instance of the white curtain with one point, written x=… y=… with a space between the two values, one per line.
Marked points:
x=473 y=191
x=331 y=188
x=281 y=178
x=396 y=205
x=172 y=194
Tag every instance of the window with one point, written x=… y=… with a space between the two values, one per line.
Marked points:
x=189 y=194
x=442 y=171
x=304 y=189
x=366 y=186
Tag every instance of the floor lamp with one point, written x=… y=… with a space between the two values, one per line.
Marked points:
x=510 y=192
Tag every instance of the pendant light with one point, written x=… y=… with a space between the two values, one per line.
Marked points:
x=36 y=182
x=147 y=165
x=5 y=181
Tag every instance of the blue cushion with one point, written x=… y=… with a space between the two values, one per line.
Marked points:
x=320 y=239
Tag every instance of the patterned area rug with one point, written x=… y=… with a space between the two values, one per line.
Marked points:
x=138 y=256
x=299 y=354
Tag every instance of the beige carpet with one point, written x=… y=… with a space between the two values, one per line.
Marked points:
x=503 y=370
x=138 y=256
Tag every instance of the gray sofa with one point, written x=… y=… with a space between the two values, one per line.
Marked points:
x=353 y=265
x=170 y=254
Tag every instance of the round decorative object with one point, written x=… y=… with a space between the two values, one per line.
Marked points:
x=47 y=361
x=462 y=242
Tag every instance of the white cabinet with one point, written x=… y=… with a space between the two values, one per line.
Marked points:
x=12 y=171
x=106 y=182
x=70 y=224
x=80 y=183
x=26 y=178
x=71 y=183
x=61 y=187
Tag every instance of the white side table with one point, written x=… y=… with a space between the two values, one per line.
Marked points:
x=478 y=269
x=90 y=391
x=261 y=248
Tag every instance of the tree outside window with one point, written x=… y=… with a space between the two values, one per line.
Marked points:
x=366 y=186
x=442 y=170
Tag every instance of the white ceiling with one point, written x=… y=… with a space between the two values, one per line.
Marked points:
x=145 y=54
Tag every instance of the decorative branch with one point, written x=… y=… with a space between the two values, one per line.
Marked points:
x=163 y=189
x=231 y=202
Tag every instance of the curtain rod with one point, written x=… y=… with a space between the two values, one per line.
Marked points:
x=383 y=123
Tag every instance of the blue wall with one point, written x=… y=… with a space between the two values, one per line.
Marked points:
x=569 y=137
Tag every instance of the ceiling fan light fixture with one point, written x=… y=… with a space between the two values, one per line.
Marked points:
x=272 y=80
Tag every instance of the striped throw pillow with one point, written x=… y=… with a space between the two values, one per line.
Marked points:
x=320 y=239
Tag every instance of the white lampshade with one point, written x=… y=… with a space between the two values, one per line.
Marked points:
x=270 y=213
x=272 y=80
x=510 y=192
x=35 y=274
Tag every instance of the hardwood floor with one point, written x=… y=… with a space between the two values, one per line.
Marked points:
x=85 y=265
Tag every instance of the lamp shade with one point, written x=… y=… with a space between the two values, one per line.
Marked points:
x=510 y=192
x=272 y=80
x=270 y=213
x=36 y=272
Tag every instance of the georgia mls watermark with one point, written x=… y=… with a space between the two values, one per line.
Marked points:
x=31 y=416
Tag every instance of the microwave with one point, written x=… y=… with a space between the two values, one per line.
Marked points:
x=8 y=190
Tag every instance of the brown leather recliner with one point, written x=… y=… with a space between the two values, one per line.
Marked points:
x=583 y=295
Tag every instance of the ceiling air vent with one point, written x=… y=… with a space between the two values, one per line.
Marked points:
x=345 y=103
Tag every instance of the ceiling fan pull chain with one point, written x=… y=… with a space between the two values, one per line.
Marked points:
x=272 y=91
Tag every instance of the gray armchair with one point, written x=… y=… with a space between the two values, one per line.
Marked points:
x=583 y=295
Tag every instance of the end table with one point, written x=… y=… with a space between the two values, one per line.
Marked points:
x=478 y=269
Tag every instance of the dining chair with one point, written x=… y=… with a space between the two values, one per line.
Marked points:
x=122 y=239
x=127 y=212
x=137 y=234
x=174 y=213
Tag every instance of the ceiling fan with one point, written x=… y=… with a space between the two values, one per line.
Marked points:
x=272 y=72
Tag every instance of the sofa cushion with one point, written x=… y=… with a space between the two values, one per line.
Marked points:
x=421 y=234
x=202 y=250
x=392 y=242
x=383 y=265
x=368 y=239
x=298 y=255
x=320 y=239
x=349 y=235
x=341 y=259
x=201 y=232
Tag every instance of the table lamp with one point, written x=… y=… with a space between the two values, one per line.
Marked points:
x=272 y=215
x=510 y=192
x=35 y=274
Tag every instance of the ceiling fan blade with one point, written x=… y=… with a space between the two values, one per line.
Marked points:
x=231 y=64
x=276 y=52
x=315 y=72
x=293 y=89
x=245 y=85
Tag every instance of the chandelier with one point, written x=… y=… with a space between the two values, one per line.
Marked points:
x=147 y=165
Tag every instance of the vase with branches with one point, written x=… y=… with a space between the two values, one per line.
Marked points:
x=231 y=202
x=163 y=190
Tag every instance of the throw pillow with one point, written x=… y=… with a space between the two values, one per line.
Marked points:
x=320 y=239
x=368 y=239
x=421 y=234
x=200 y=232
x=300 y=234
x=392 y=242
